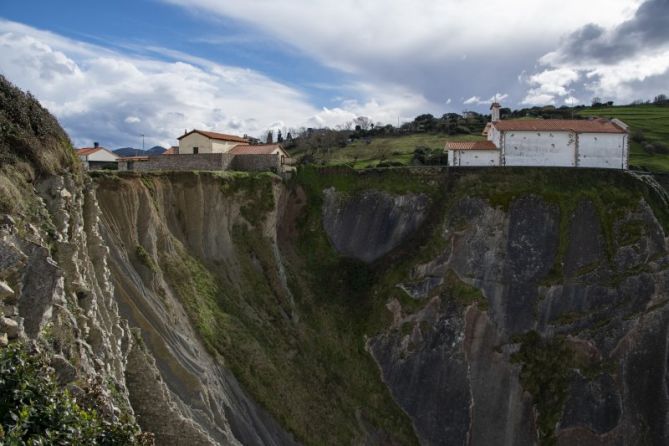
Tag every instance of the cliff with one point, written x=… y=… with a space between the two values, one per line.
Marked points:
x=514 y=306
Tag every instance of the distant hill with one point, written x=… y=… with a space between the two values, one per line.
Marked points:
x=130 y=151
x=156 y=150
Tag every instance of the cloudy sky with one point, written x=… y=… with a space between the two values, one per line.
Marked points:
x=113 y=71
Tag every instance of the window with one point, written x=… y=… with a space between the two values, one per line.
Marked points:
x=196 y=150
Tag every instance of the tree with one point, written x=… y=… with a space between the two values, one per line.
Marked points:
x=279 y=138
x=362 y=123
x=270 y=137
x=661 y=99
x=596 y=101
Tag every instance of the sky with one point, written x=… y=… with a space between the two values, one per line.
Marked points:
x=114 y=71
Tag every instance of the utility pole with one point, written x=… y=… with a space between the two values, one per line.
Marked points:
x=142 y=142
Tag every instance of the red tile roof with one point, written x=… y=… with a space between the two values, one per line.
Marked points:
x=171 y=151
x=85 y=151
x=263 y=149
x=471 y=145
x=559 y=125
x=214 y=135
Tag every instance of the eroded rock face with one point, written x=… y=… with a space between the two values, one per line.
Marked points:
x=370 y=224
x=610 y=308
x=181 y=392
x=43 y=269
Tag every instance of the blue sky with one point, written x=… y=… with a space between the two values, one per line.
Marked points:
x=112 y=71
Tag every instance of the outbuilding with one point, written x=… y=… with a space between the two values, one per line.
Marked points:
x=97 y=157
x=200 y=141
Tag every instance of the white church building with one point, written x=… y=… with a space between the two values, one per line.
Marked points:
x=599 y=143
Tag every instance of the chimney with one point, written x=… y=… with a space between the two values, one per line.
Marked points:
x=96 y=144
x=495 y=107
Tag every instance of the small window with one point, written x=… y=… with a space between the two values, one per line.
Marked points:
x=196 y=150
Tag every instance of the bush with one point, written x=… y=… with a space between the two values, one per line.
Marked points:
x=655 y=148
x=638 y=136
x=35 y=410
x=389 y=164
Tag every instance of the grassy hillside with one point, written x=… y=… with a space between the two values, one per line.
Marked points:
x=652 y=120
x=363 y=153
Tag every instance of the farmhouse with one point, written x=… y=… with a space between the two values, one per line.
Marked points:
x=96 y=157
x=202 y=150
x=200 y=141
x=599 y=143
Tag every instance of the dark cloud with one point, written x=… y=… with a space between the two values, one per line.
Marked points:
x=648 y=28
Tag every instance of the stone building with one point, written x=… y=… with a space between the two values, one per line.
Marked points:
x=200 y=141
x=599 y=143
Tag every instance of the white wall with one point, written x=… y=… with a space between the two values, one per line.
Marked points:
x=102 y=155
x=495 y=136
x=473 y=158
x=603 y=150
x=539 y=148
x=187 y=143
x=218 y=146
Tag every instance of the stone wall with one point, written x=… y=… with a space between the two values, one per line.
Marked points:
x=250 y=163
x=205 y=161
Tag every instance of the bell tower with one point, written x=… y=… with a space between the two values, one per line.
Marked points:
x=495 y=109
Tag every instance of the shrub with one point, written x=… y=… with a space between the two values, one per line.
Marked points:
x=390 y=164
x=649 y=148
x=35 y=410
x=638 y=136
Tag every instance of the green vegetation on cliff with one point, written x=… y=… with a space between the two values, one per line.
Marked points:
x=298 y=350
x=32 y=144
x=296 y=338
x=34 y=410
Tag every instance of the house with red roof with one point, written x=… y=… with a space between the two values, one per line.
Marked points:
x=204 y=150
x=97 y=157
x=596 y=143
x=199 y=141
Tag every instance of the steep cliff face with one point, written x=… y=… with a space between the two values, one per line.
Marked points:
x=541 y=319
x=55 y=285
x=162 y=231
x=196 y=265
x=478 y=307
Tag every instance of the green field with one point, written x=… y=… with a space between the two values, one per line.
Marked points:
x=652 y=120
x=361 y=154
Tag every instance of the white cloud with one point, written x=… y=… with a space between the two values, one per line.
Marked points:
x=476 y=100
x=549 y=85
x=622 y=62
x=106 y=96
x=343 y=33
x=435 y=48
